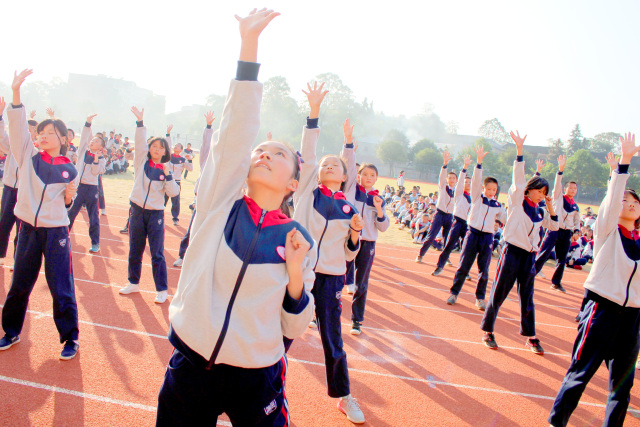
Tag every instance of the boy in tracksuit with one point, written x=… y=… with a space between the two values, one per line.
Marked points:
x=444 y=208
x=478 y=242
x=177 y=165
x=610 y=319
x=46 y=189
x=188 y=154
x=9 y=192
x=91 y=163
x=568 y=221
x=462 y=202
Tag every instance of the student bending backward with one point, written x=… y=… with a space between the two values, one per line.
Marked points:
x=247 y=273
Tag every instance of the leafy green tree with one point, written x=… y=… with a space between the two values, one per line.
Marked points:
x=280 y=114
x=429 y=157
x=585 y=170
x=605 y=142
x=556 y=148
x=576 y=141
x=421 y=145
x=391 y=153
x=396 y=135
x=493 y=129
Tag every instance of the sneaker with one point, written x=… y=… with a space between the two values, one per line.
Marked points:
x=11 y=267
x=468 y=277
x=490 y=341
x=355 y=329
x=192 y=206
x=534 y=345
x=558 y=288
x=69 y=350
x=452 y=299
x=577 y=267
x=161 y=297
x=178 y=262
x=175 y=222
x=541 y=274
x=480 y=305
x=94 y=248
x=437 y=271
x=313 y=324
x=449 y=263
x=6 y=342
x=129 y=289
x=578 y=318
x=103 y=211
x=351 y=289
x=349 y=406
x=418 y=259
x=125 y=230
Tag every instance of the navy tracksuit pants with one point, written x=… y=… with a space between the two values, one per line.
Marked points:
x=101 y=201
x=327 y=292
x=194 y=396
x=184 y=243
x=175 y=203
x=561 y=241
x=8 y=219
x=515 y=264
x=362 y=264
x=607 y=332
x=87 y=195
x=147 y=224
x=55 y=246
x=442 y=221
x=351 y=273
x=480 y=245
x=458 y=230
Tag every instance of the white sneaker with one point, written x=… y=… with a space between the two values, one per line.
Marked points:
x=161 y=297
x=313 y=324
x=103 y=211
x=178 y=263
x=351 y=289
x=129 y=289
x=349 y=406
x=541 y=274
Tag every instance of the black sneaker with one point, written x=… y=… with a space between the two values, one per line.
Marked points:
x=534 y=345
x=490 y=341
x=69 y=350
x=437 y=271
x=6 y=342
x=355 y=328
x=124 y=230
x=558 y=288
x=192 y=206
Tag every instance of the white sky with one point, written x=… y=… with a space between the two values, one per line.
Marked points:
x=540 y=67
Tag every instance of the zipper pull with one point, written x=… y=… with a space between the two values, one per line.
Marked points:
x=264 y=213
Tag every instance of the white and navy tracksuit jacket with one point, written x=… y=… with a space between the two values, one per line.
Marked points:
x=44 y=232
x=462 y=206
x=90 y=166
x=9 y=192
x=610 y=320
x=478 y=241
x=517 y=261
x=443 y=218
x=177 y=165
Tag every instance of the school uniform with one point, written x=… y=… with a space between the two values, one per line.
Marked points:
x=177 y=165
x=9 y=194
x=44 y=232
x=72 y=152
x=89 y=167
x=610 y=320
x=146 y=216
x=373 y=224
x=462 y=206
x=443 y=218
x=189 y=152
x=327 y=217
x=568 y=221
x=232 y=308
x=522 y=237
x=478 y=241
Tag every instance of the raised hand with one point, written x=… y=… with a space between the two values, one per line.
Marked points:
x=2 y=105
x=466 y=159
x=539 y=165
x=549 y=202
x=208 y=116
x=90 y=118
x=562 y=162
x=480 y=153
x=519 y=141
x=377 y=203
x=355 y=146
x=50 y=113
x=252 y=25
x=269 y=136
x=32 y=114
x=295 y=249
x=18 y=79
x=613 y=163
x=347 y=129
x=628 y=148
x=138 y=113
x=357 y=223
x=315 y=97
x=169 y=127
x=446 y=157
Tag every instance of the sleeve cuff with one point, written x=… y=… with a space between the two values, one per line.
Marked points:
x=554 y=218
x=560 y=173
x=444 y=166
x=168 y=177
x=379 y=219
x=479 y=166
x=312 y=123
x=294 y=306
x=348 y=145
x=247 y=71
x=464 y=171
x=519 y=158
x=351 y=246
x=208 y=126
x=17 y=106
x=87 y=124
x=623 y=168
x=139 y=124
x=168 y=134
x=536 y=174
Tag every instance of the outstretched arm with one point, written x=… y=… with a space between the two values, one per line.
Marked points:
x=442 y=179
x=519 y=181
x=19 y=137
x=476 y=180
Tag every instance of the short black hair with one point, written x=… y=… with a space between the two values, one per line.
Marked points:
x=72 y=132
x=367 y=166
x=490 y=180
x=167 y=155
x=537 y=183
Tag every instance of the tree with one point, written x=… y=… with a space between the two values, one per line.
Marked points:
x=605 y=142
x=391 y=153
x=431 y=158
x=397 y=135
x=576 y=141
x=453 y=127
x=585 y=170
x=421 y=145
x=556 y=148
x=493 y=129
x=280 y=114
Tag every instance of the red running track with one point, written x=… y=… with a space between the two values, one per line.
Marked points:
x=418 y=361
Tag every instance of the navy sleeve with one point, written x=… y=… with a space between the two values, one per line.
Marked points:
x=294 y=306
x=208 y=126
x=554 y=217
x=139 y=124
x=351 y=246
x=520 y=158
x=312 y=123
x=560 y=173
x=479 y=166
x=87 y=124
x=623 y=168
x=247 y=71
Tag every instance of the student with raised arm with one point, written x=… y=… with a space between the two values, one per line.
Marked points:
x=522 y=237
x=9 y=192
x=46 y=190
x=568 y=221
x=462 y=206
x=610 y=320
x=177 y=165
x=321 y=206
x=152 y=181
x=247 y=274
x=204 y=153
x=361 y=193
x=91 y=163
x=444 y=208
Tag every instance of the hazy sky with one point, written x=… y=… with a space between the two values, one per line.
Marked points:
x=540 y=67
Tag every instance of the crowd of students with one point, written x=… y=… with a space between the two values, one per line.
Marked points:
x=276 y=234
